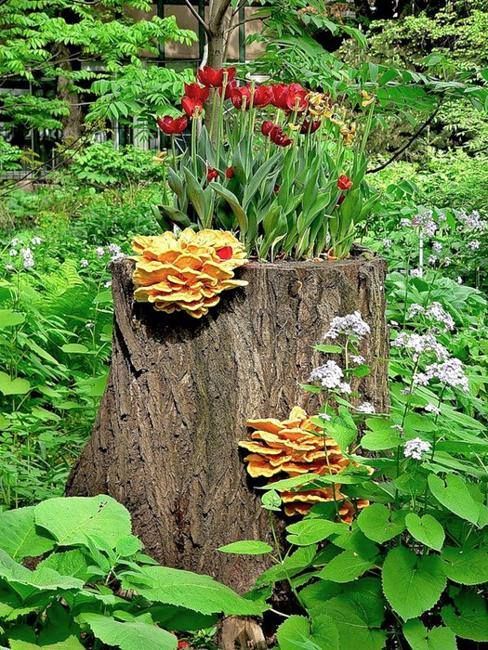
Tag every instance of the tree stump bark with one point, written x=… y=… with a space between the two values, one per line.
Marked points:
x=180 y=391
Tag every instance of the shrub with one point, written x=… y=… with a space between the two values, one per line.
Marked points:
x=102 y=165
x=92 y=584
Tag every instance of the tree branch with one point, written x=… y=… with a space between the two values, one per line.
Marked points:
x=219 y=9
x=249 y=19
x=198 y=17
x=409 y=142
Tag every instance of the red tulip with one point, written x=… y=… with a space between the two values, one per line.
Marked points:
x=241 y=96
x=229 y=89
x=225 y=253
x=280 y=93
x=266 y=127
x=229 y=172
x=309 y=127
x=296 y=99
x=278 y=137
x=263 y=96
x=196 y=92
x=211 y=77
x=212 y=174
x=191 y=106
x=172 y=126
x=344 y=183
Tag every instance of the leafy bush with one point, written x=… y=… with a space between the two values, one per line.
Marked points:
x=55 y=327
x=101 y=165
x=92 y=586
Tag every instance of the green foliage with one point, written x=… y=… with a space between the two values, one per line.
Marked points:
x=101 y=165
x=73 y=597
x=48 y=43
x=55 y=326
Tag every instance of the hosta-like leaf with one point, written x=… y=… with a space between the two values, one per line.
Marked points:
x=347 y=566
x=412 y=583
x=185 y=589
x=73 y=520
x=467 y=566
x=129 y=635
x=468 y=617
x=426 y=530
x=380 y=524
x=19 y=536
x=298 y=633
x=16 y=386
x=453 y=494
x=420 y=638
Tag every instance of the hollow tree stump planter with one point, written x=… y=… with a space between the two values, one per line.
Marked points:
x=180 y=391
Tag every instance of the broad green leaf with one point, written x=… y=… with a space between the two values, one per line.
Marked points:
x=180 y=619
x=290 y=567
x=297 y=633
x=380 y=524
x=9 y=386
x=26 y=582
x=426 y=530
x=347 y=566
x=380 y=440
x=68 y=563
x=73 y=520
x=412 y=583
x=75 y=348
x=185 y=589
x=420 y=638
x=467 y=566
x=247 y=547
x=127 y=546
x=10 y=318
x=129 y=635
x=454 y=495
x=19 y=536
x=468 y=618
x=310 y=531
x=356 y=629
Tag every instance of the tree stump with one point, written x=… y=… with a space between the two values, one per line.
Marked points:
x=180 y=391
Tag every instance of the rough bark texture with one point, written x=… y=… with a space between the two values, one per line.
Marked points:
x=180 y=390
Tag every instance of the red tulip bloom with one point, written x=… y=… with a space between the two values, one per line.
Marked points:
x=266 y=127
x=172 y=126
x=212 y=174
x=211 y=77
x=225 y=253
x=344 y=183
x=310 y=127
x=296 y=99
x=241 y=96
x=278 y=137
x=229 y=89
x=191 y=106
x=229 y=172
x=263 y=96
x=280 y=94
x=196 y=92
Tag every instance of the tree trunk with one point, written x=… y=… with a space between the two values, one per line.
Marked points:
x=180 y=391
x=72 y=123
